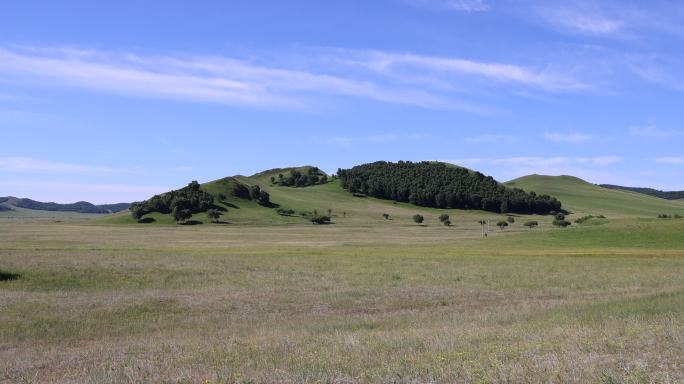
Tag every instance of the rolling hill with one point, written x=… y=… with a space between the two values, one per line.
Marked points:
x=581 y=197
x=347 y=209
x=22 y=207
x=668 y=195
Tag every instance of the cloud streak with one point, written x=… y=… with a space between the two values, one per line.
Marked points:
x=386 y=77
x=573 y=138
x=31 y=165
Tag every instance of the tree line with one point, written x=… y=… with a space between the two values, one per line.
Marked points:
x=438 y=185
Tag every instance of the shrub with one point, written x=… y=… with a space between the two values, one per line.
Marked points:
x=214 y=215
x=285 y=212
x=510 y=219
x=137 y=211
x=386 y=216
x=561 y=223
x=559 y=216
x=502 y=224
x=320 y=219
x=180 y=214
x=418 y=219
x=531 y=224
x=443 y=217
x=447 y=223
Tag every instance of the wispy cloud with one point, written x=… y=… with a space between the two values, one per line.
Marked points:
x=573 y=138
x=454 y=5
x=388 y=77
x=586 y=19
x=540 y=162
x=491 y=139
x=653 y=131
x=384 y=138
x=31 y=165
x=611 y=18
x=444 y=71
x=673 y=160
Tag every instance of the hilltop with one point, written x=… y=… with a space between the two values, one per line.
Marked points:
x=581 y=197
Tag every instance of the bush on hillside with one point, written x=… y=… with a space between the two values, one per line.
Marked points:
x=298 y=179
x=418 y=219
x=190 y=198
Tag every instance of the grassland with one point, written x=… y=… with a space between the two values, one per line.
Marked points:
x=263 y=298
x=358 y=301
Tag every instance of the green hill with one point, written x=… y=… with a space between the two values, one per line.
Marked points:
x=581 y=197
x=346 y=208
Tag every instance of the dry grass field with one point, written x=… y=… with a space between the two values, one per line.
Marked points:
x=389 y=302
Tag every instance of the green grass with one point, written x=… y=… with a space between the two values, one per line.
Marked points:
x=582 y=198
x=374 y=302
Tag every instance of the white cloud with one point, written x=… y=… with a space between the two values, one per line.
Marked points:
x=31 y=165
x=454 y=5
x=653 y=131
x=388 y=77
x=674 y=160
x=491 y=138
x=567 y=137
x=540 y=162
x=384 y=138
x=587 y=19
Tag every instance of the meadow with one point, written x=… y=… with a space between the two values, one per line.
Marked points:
x=357 y=301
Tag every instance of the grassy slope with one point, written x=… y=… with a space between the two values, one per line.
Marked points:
x=581 y=197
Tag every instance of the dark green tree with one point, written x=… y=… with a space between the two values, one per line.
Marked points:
x=502 y=224
x=137 y=211
x=531 y=224
x=214 y=215
x=418 y=219
x=510 y=219
x=181 y=214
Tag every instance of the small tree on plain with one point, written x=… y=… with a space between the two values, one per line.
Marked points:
x=214 y=215
x=329 y=212
x=510 y=219
x=561 y=223
x=386 y=216
x=502 y=224
x=447 y=223
x=443 y=218
x=531 y=224
x=418 y=219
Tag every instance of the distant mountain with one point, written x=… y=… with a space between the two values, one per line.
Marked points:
x=6 y=204
x=672 y=195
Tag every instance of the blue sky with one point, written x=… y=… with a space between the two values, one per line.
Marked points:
x=116 y=101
